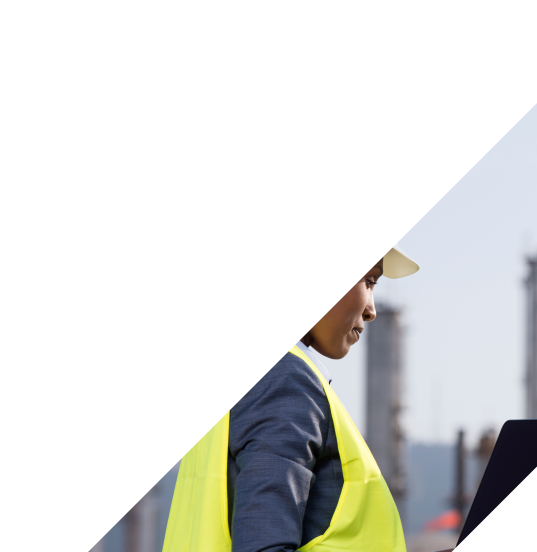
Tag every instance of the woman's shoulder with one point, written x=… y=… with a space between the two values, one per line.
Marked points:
x=289 y=378
x=288 y=402
x=293 y=365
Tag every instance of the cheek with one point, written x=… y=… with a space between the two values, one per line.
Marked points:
x=339 y=321
x=346 y=320
x=358 y=302
x=352 y=314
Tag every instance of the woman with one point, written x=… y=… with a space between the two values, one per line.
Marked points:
x=287 y=469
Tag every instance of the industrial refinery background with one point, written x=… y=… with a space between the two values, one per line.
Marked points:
x=433 y=484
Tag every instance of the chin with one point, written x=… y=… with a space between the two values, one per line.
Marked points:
x=342 y=355
x=336 y=353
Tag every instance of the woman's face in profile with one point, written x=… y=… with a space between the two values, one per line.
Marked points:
x=341 y=327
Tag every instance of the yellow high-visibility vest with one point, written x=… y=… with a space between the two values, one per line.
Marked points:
x=365 y=519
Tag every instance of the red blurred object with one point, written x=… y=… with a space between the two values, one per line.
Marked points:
x=448 y=520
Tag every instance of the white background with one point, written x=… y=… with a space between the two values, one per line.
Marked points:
x=468 y=222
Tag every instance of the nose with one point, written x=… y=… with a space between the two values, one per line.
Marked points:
x=369 y=312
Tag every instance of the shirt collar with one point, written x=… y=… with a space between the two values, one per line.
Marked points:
x=315 y=357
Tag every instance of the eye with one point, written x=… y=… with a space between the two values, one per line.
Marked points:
x=371 y=283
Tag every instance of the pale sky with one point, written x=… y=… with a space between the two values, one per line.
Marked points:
x=468 y=221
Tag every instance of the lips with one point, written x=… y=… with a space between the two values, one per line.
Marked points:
x=357 y=332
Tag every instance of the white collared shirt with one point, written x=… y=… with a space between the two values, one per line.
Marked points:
x=315 y=357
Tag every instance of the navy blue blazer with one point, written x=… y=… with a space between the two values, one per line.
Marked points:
x=284 y=471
